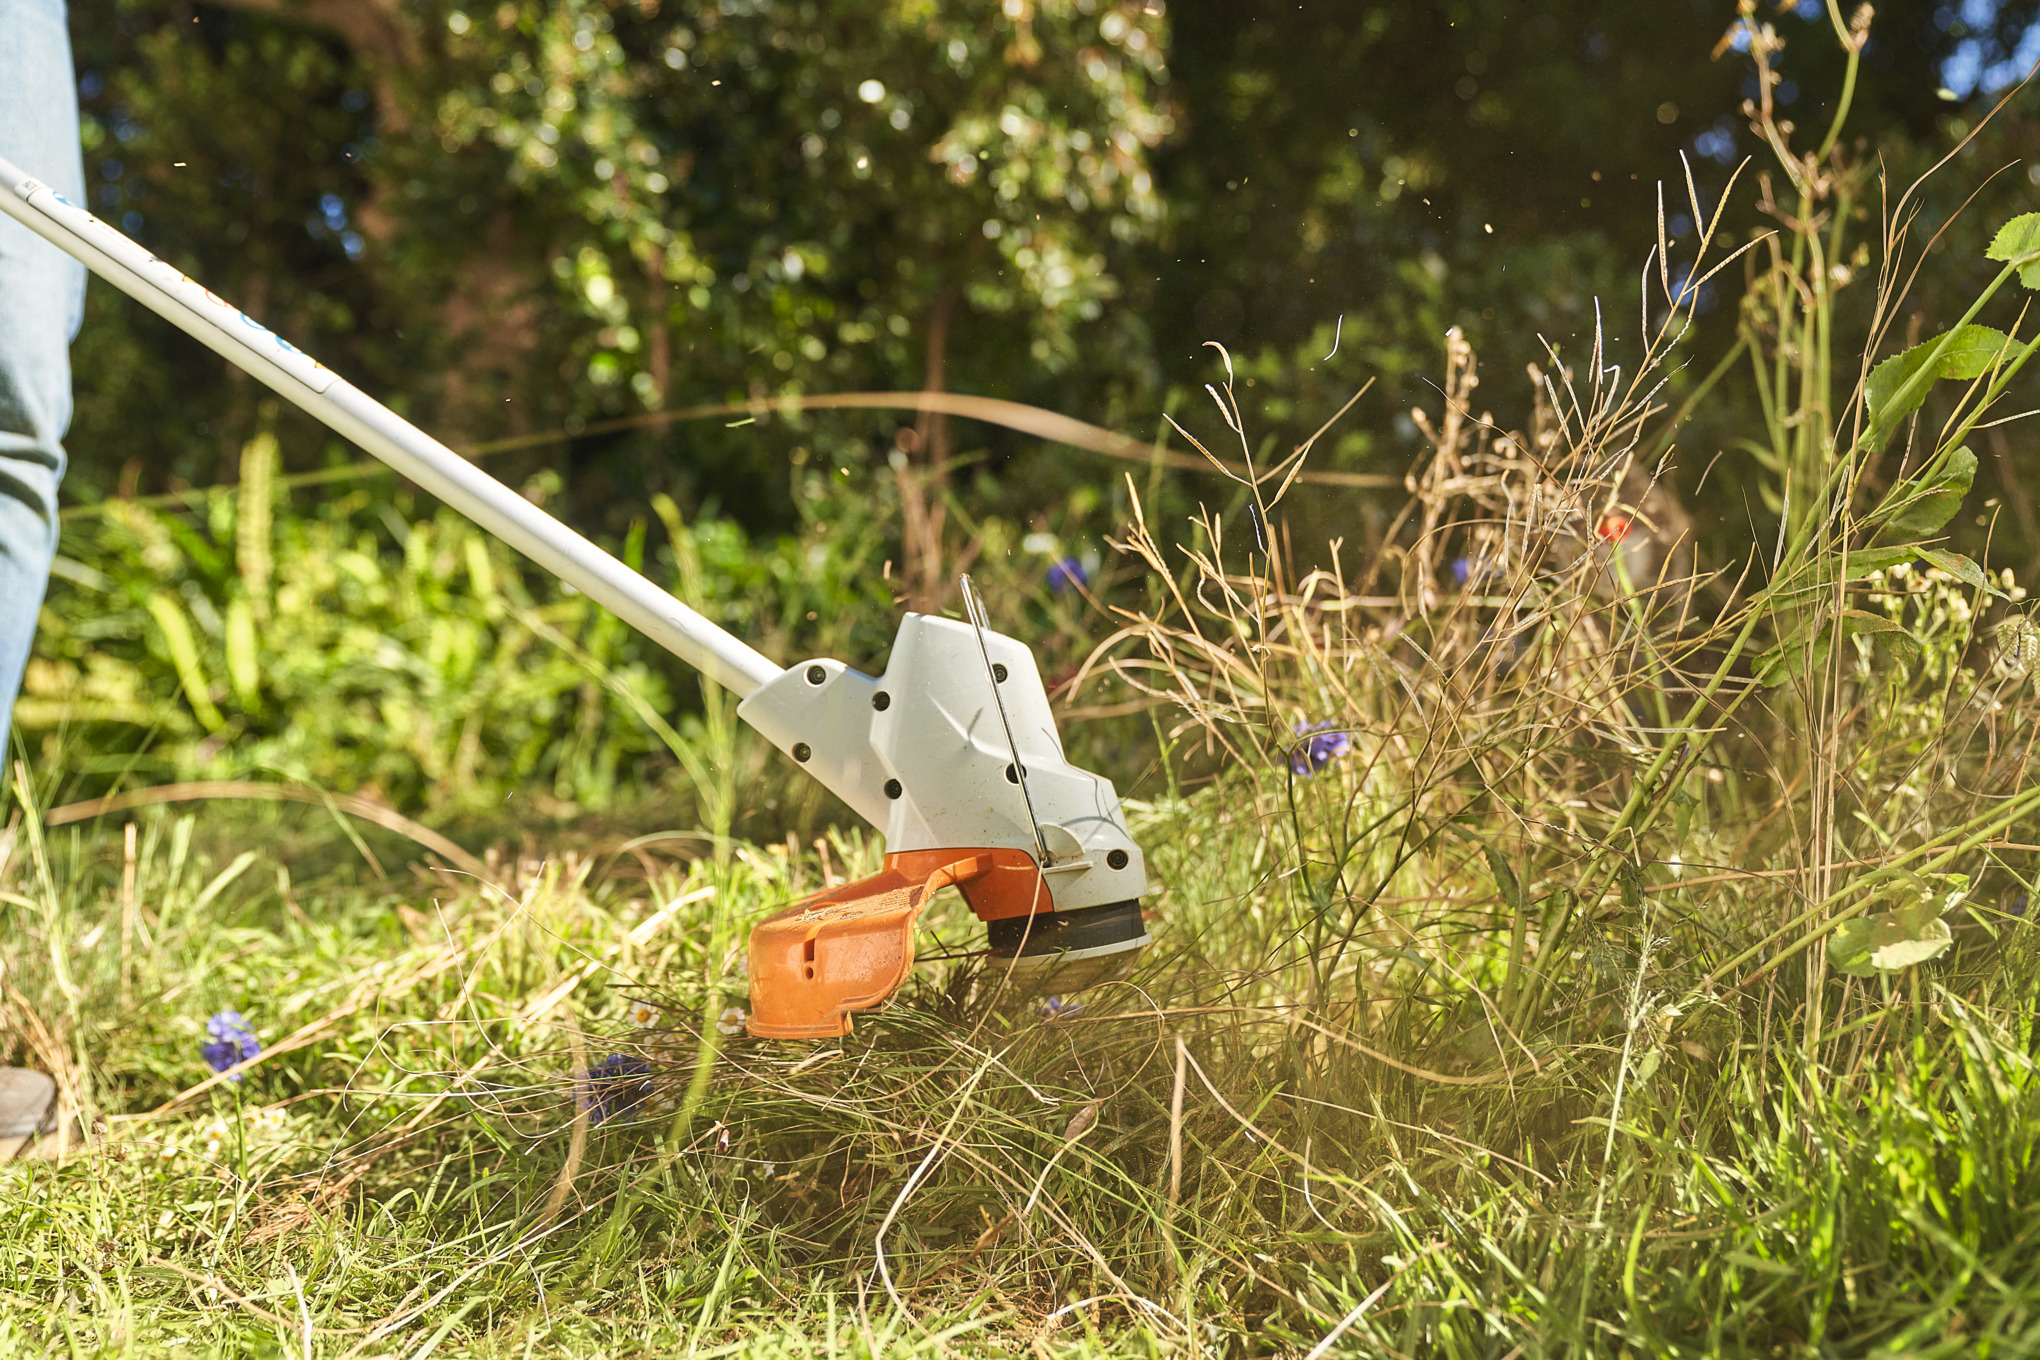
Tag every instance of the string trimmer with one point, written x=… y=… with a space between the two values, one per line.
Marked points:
x=952 y=752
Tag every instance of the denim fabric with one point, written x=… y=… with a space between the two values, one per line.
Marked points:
x=42 y=300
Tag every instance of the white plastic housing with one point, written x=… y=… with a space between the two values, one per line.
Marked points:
x=931 y=726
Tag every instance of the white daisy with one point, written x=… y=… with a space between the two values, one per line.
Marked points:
x=731 y=1021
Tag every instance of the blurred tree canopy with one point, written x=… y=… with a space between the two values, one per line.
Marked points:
x=538 y=215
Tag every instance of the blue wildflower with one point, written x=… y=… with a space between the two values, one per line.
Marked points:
x=1482 y=570
x=231 y=1042
x=1319 y=748
x=1055 y=1008
x=616 y=1085
x=1067 y=573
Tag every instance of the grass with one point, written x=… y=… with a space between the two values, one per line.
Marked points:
x=960 y=1172
x=1639 y=963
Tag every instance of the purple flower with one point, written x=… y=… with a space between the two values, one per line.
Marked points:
x=231 y=1042
x=1319 y=748
x=1055 y=1008
x=1462 y=569
x=616 y=1085
x=1067 y=573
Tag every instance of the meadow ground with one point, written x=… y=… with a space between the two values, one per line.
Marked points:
x=1208 y=1158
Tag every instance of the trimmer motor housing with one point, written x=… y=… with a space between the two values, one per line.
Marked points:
x=923 y=751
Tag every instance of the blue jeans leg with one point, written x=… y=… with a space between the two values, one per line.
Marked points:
x=42 y=301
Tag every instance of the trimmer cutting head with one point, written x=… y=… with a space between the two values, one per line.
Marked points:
x=1068 y=951
x=815 y=963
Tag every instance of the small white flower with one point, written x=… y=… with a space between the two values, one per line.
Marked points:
x=644 y=1014
x=731 y=1021
x=768 y=1169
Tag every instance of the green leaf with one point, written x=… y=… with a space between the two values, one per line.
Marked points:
x=1505 y=879
x=1891 y=394
x=183 y=647
x=1886 y=634
x=1774 y=667
x=1891 y=941
x=2015 y=240
x=1907 y=950
x=1863 y=561
x=244 y=666
x=1924 y=504
x=1849 y=948
x=1816 y=576
x=1959 y=567
x=1792 y=656
x=1858 y=622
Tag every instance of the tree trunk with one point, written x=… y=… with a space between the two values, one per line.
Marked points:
x=658 y=327
x=923 y=475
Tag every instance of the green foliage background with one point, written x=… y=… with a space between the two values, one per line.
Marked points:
x=528 y=219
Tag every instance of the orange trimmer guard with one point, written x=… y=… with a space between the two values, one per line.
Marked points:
x=850 y=948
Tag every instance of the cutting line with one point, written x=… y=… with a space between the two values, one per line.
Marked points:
x=974 y=606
